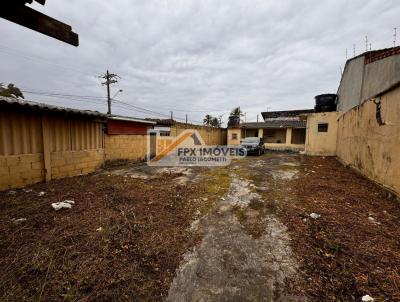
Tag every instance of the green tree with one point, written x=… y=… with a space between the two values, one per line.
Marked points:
x=216 y=122
x=10 y=91
x=207 y=120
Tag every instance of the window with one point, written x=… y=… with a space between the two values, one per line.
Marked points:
x=322 y=127
x=234 y=136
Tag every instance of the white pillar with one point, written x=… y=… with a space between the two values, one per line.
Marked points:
x=288 y=136
x=260 y=132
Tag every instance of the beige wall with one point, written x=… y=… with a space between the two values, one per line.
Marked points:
x=131 y=147
x=211 y=136
x=370 y=148
x=37 y=146
x=134 y=147
x=275 y=136
x=20 y=170
x=73 y=163
x=231 y=141
x=321 y=143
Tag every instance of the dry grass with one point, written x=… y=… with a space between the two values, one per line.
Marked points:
x=342 y=254
x=122 y=240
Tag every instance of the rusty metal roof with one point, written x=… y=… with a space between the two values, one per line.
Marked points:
x=7 y=101
x=275 y=124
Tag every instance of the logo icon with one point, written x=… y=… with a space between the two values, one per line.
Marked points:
x=188 y=149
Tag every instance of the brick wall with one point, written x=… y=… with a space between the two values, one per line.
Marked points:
x=20 y=170
x=72 y=163
x=376 y=55
x=132 y=147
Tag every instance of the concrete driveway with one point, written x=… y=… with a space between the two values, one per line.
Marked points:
x=245 y=253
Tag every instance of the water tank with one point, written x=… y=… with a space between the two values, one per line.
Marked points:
x=233 y=121
x=325 y=102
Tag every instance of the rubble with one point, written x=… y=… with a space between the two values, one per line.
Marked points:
x=66 y=204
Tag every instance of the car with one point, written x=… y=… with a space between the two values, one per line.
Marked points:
x=253 y=145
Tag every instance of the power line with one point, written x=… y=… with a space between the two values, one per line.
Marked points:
x=18 y=53
x=145 y=110
x=61 y=94
x=99 y=100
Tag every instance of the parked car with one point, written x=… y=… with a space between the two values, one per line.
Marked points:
x=253 y=145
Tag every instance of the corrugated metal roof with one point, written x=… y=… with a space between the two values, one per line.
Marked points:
x=275 y=124
x=131 y=119
x=285 y=113
x=47 y=107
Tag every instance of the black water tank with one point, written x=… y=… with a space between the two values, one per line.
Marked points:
x=233 y=121
x=325 y=102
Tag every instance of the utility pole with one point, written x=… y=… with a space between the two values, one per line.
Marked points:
x=257 y=118
x=172 y=115
x=186 y=119
x=394 y=36
x=109 y=78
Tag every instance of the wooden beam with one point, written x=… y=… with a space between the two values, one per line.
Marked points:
x=30 y=18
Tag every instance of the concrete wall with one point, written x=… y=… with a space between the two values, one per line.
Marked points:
x=37 y=146
x=362 y=81
x=230 y=139
x=21 y=170
x=321 y=143
x=380 y=75
x=17 y=171
x=351 y=84
x=73 y=163
x=371 y=148
x=131 y=147
x=134 y=147
x=211 y=136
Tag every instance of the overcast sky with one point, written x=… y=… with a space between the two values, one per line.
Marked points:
x=195 y=56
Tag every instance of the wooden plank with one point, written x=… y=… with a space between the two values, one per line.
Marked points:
x=30 y=18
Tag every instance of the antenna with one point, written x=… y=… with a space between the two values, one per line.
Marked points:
x=366 y=43
x=370 y=46
x=354 y=50
x=346 y=54
x=394 y=37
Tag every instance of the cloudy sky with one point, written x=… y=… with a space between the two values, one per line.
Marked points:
x=194 y=57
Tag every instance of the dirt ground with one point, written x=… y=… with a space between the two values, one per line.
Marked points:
x=237 y=233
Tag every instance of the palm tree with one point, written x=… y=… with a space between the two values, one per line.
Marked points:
x=207 y=120
x=237 y=112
